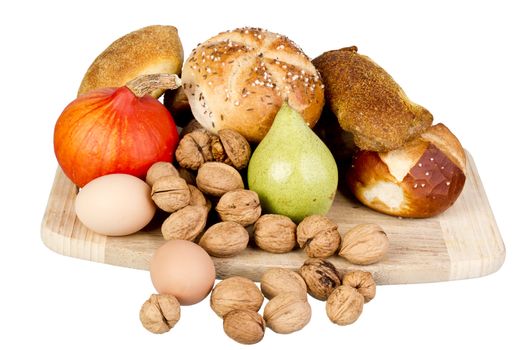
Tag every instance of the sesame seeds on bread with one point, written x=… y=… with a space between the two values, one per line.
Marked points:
x=240 y=78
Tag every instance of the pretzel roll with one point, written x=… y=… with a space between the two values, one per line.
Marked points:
x=239 y=79
x=421 y=179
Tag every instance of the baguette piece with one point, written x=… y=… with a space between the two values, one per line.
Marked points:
x=149 y=50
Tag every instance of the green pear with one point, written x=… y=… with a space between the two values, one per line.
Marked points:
x=292 y=170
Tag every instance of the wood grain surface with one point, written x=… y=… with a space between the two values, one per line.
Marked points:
x=464 y=242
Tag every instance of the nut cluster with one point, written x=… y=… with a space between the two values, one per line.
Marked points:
x=238 y=208
x=209 y=174
x=237 y=300
x=189 y=206
x=344 y=297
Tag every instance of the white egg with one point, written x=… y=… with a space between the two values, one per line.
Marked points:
x=115 y=205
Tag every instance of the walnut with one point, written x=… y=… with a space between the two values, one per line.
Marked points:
x=225 y=239
x=318 y=236
x=185 y=223
x=196 y=196
x=170 y=193
x=344 y=305
x=287 y=312
x=320 y=276
x=158 y=170
x=241 y=206
x=363 y=282
x=244 y=326
x=364 y=244
x=275 y=233
x=235 y=293
x=190 y=127
x=160 y=313
x=277 y=280
x=216 y=179
x=230 y=147
x=194 y=149
x=200 y=146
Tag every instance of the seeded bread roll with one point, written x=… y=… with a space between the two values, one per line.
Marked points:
x=239 y=79
x=149 y=50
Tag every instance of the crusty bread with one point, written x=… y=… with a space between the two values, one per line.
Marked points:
x=239 y=79
x=153 y=49
x=368 y=102
x=421 y=179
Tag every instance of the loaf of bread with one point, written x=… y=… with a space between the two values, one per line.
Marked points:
x=368 y=102
x=150 y=50
x=239 y=79
x=421 y=179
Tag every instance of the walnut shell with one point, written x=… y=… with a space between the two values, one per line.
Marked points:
x=190 y=127
x=318 y=236
x=344 y=305
x=158 y=170
x=170 y=193
x=321 y=277
x=185 y=223
x=275 y=233
x=364 y=244
x=218 y=152
x=363 y=282
x=216 y=179
x=194 y=149
x=196 y=196
x=236 y=148
x=225 y=239
x=160 y=313
x=235 y=293
x=287 y=312
x=277 y=280
x=241 y=206
x=244 y=326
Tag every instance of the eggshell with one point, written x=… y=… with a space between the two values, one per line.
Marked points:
x=115 y=205
x=183 y=269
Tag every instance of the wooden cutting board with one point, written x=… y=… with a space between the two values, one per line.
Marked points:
x=463 y=242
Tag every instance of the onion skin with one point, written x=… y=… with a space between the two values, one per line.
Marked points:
x=111 y=130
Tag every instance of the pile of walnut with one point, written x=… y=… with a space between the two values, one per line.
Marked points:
x=217 y=160
x=237 y=300
x=189 y=197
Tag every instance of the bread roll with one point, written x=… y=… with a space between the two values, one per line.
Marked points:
x=368 y=102
x=419 y=180
x=153 y=49
x=239 y=79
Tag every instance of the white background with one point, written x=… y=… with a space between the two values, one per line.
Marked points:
x=462 y=60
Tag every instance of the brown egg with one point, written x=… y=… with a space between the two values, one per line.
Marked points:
x=183 y=269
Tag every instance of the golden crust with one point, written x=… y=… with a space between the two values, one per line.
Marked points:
x=239 y=79
x=368 y=102
x=153 y=49
x=448 y=143
x=427 y=174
